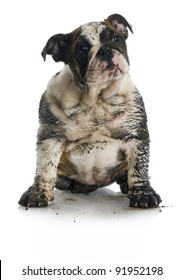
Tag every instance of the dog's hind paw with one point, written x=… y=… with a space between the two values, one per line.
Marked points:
x=34 y=197
x=144 y=197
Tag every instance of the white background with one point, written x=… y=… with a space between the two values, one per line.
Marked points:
x=99 y=229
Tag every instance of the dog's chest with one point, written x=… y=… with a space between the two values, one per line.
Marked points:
x=99 y=118
x=92 y=155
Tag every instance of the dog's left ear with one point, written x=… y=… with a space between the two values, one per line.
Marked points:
x=120 y=24
x=57 y=46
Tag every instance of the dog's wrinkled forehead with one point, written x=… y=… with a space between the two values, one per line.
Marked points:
x=91 y=31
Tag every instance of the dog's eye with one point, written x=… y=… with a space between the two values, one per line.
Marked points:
x=83 y=48
x=116 y=38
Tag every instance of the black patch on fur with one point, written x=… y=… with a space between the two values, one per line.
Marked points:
x=81 y=59
x=50 y=132
x=114 y=40
x=50 y=126
x=121 y=156
x=45 y=114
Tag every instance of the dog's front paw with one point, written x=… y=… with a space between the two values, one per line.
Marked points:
x=143 y=197
x=34 y=197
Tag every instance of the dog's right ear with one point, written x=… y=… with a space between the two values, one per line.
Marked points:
x=57 y=46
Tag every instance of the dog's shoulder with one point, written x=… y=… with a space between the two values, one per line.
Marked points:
x=62 y=90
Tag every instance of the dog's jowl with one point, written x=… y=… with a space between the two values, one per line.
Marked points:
x=93 y=125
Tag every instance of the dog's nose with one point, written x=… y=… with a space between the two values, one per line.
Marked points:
x=105 y=53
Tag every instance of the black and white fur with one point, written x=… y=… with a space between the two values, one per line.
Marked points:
x=93 y=124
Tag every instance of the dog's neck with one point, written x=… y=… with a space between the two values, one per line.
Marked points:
x=89 y=93
x=121 y=86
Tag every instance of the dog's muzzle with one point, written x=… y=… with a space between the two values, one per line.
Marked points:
x=106 y=54
x=108 y=58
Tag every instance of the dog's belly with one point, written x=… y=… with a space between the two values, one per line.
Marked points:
x=94 y=163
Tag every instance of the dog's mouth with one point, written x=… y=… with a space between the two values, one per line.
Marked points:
x=112 y=68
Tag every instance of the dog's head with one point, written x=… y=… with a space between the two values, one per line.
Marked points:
x=96 y=52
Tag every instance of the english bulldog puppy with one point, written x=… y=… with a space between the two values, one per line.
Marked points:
x=93 y=125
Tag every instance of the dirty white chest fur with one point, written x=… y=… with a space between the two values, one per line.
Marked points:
x=88 y=126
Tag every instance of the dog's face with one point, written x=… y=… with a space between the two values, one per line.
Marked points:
x=95 y=52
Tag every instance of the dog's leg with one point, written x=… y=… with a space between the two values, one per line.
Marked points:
x=122 y=182
x=63 y=183
x=48 y=155
x=140 y=192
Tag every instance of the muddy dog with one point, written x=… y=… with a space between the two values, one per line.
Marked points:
x=93 y=125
